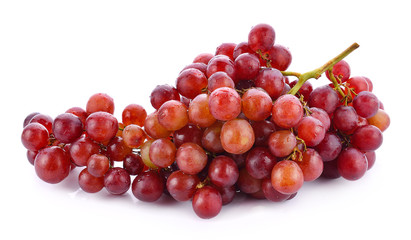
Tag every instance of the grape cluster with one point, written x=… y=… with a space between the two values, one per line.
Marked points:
x=234 y=122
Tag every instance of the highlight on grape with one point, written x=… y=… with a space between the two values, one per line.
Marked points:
x=236 y=122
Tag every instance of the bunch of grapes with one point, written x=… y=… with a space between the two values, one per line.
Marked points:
x=234 y=122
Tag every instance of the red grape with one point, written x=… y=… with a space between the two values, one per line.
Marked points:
x=162 y=152
x=256 y=104
x=226 y=49
x=191 y=158
x=203 y=58
x=101 y=126
x=330 y=147
x=90 y=183
x=117 y=181
x=247 y=66
x=133 y=136
x=324 y=97
x=173 y=115
x=221 y=63
x=287 y=177
x=237 y=136
x=100 y=102
x=366 y=104
x=134 y=114
x=52 y=164
x=182 y=186
x=82 y=149
x=207 y=202
x=282 y=143
x=287 y=111
x=352 y=164
x=341 y=71
x=368 y=138
x=260 y=162
x=381 y=120
x=133 y=164
x=224 y=104
x=191 y=82
x=148 y=186
x=311 y=131
x=311 y=165
x=223 y=172
x=271 y=80
x=345 y=119
x=34 y=137
x=280 y=57
x=261 y=37
x=67 y=127
x=199 y=111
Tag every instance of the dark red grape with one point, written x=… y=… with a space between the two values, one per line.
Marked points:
x=223 y=171
x=67 y=127
x=368 y=138
x=117 y=149
x=182 y=186
x=271 y=80
x=260 y=162
x=247 y=66
x=148 y=186
x=262 y=131
x=271 y=194
x=352 y=164
x=133 y=164
x=366 y=104
x=345 y=119
x=280 y=57
x=330 y=147
x=324 y=97
x=248 y=184
x=117 y=181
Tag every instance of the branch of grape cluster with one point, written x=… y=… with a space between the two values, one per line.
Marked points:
x=316 y=73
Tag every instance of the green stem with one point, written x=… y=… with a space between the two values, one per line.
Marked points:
x=316 y=73
x=335 y=82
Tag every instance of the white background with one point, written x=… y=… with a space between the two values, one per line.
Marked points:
x=55 y=54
